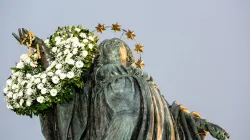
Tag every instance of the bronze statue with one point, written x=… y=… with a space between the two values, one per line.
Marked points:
x=121 y=102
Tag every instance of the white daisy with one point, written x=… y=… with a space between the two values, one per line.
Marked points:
x=37 y=80
x=70 y=75
x=54 y=49
x=90 y=46
x=83 y=35
x=53 y=92
x=62 y=76
x=43 y=75
x=55 y=79
x=29 y=102
x=58 y=72
x=40 y=86
x=44 y=91
x=58 y=66
x=84 y=53
x=40 y=99
x=79 y=64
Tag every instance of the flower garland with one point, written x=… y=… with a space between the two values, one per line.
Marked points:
x=31 y=89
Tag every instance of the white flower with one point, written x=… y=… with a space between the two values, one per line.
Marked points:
x=16 y=73
x=75 y=44
x=54 y=49
x=66 y=51
x=44 y=81
x=70 y=61
x=62 y=76
x=29 y=91
x=23 y=82
x=14 y=96
x=79 y=64
x=70 y=75
x=83 y=35
x=28 y=102
x=33 y=64
x=69 y=55
x=46 y=41
x=85 y=40
x=75 y=50
x=68 y=41
x=84 y=53
x=40 y=99
x=23 y=57
x=20 y=65
x=67 y=46
x=28 y=75
x=17 y=105
x=37 y=80
x=58 y=66
x=9 y=106
x=21 y=102
x=19 y=80
x=43 y=76
x=77 y=29
x=20 y=94
x=10 y=94
x=9 y=82
x=5 y=90
x=14 y=86
x=58 y=72
x=53 y=92
x=58 y=38
x=40 y=86
x=90 y=46
x=55 y=79
x=50 y=73
x=91 y=38
x=75 y=39
x=29 y=85
x=59 y=54
x=44 y=91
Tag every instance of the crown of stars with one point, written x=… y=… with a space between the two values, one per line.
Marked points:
x=130 y=35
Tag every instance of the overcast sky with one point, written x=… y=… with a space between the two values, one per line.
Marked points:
x=197 y=51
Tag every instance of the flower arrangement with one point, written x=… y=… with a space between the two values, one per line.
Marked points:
x=31 y=89
x=35 y=85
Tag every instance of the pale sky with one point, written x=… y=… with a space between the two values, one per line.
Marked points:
x=197 y=51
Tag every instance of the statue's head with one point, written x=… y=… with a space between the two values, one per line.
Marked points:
x=115 y=51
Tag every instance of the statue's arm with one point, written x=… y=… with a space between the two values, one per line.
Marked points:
x=24 y=37
x=198 y=124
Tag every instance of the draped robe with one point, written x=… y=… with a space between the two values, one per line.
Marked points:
x=126 y=104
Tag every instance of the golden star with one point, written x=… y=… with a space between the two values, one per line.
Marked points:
x=116 y=27
x=130 y=35
x=100 y=28
x=139 y=48
x=139 y=64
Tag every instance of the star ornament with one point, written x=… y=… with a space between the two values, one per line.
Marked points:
x=139 y=64
x=116 y=27
x=100 y=28
x=139 y=48
x=130 y=35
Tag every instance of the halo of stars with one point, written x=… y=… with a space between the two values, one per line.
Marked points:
x=130 y=35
